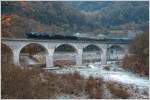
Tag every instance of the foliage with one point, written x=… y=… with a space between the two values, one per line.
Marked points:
x=139 y=60
x=70 y=17
x=108 y=14
x=117 y=90
x=50 y=16
x=93 y=87
x=18 y=83
x=25 y=83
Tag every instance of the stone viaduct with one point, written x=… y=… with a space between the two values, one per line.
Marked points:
x=16 y=46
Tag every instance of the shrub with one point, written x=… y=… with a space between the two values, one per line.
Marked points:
x=62 y=63
x=23 y=83
x=74 y=83
x=138 y=62
x=18 y=83
x=117 y=90
x=93 y=87
x=133 y=64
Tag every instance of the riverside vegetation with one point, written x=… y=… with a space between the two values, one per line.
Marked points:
x=18 y=83
x=138 y=62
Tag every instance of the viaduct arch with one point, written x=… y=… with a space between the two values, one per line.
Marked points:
x=16 y=45
x=93 y=52
x=65 y=54
x=32 y=50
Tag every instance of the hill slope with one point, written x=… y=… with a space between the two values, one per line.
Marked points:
x=116 y=13
x=71 y=17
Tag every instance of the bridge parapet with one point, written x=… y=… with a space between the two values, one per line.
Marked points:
x=105 y=41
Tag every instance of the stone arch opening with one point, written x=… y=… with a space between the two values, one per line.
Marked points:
x=65 y=55
x=6 y=54
x=91 y=54
x=115 y=53
x=33 y=55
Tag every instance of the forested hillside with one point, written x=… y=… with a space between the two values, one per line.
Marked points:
x=70 y=17
x=40 y=16
x=116 y=13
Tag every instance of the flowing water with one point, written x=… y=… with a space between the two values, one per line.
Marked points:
x=115 y=73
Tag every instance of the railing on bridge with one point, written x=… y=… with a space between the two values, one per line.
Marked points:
x=120 y=41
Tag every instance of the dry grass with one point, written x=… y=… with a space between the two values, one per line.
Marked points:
x=28 y=83
x=136 y=65
x=93 y=88
x=62 y=63
x=117 y=90
x=23 y=83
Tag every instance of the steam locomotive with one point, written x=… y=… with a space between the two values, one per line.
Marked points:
x=37 y=35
